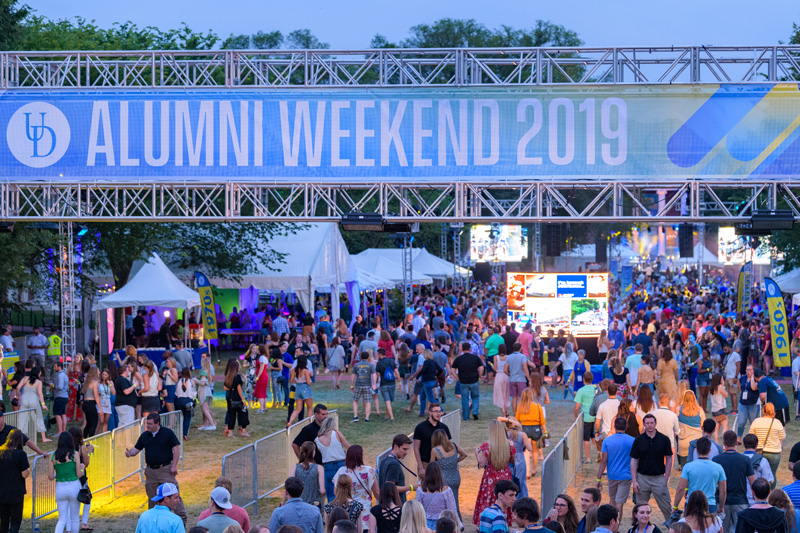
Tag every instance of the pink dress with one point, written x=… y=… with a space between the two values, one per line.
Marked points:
x=263 y=382
x=501 y=397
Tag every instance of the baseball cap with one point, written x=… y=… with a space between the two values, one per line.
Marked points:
x=164 y=490
x=221 y=497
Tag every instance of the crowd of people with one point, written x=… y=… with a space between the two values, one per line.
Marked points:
x=671 y=349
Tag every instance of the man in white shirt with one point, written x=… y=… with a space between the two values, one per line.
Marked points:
x=37 y=344
x=418 y=322
x=731 y=365
x=667 y=421
x=606 y=413
x=7 y=341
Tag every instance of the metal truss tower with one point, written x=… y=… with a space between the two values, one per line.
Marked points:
x=66 y=270
x=408 y=270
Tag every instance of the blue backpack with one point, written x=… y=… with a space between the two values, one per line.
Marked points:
x=388 y=374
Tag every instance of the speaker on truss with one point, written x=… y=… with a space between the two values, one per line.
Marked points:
x=552 y=239
x=686 y=240
x=601 y=249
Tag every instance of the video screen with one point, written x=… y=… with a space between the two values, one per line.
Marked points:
x=734 y=249
x=498 y=242
x=574 y=302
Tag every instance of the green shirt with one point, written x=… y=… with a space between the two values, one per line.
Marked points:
x=585 y=397
x=493 y=343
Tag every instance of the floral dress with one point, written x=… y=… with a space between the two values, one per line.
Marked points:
x=363 y=478
x=490 y=478
x=75 y=384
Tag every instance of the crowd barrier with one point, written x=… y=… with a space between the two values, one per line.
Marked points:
x=260 y=468
x=561 y=465
x=453 y=422
x=12 y=419
x=107 y=466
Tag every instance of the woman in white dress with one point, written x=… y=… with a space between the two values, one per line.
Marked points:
x=31 y=397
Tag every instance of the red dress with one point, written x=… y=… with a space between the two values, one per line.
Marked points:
x=263 y=381
x=490 y=478
x=74 y=412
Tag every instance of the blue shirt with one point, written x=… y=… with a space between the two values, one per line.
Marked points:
x=493 y=520
x=618 y=447
x=633 y=363
x=579 y=370
x=285 y=370
x=775 y=394
x=295 y=512
x=617 y=337
x=160 y=519
x=703 y=475
x=793 y=491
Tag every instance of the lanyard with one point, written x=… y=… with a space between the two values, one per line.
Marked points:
x=393 y=456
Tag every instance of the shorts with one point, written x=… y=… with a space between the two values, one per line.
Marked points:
x=362 y=393
x=490 y=362
x=719 y=416
x=417 y=388
x=151 y=404
x=588 y=431
x=302 y=391
x=516 y=388
x=60 y=406
x=619 y=490
x=403 y=370
x=387 y=391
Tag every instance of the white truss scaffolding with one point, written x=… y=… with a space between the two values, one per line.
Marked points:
x=66 y=271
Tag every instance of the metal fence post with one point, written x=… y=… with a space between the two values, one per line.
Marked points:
x=255 y=477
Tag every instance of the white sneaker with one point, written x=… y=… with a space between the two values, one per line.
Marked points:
x=210 y=428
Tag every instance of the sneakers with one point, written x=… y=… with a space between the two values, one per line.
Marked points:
x=474 y=417
x=355 y=419
x=365 y=420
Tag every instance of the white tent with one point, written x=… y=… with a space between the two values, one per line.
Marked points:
x=789 y=282
x=314 y=257
x=153 y=285
x=422 y=262
x=380 y=265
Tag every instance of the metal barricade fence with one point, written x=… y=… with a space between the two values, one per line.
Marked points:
x=123 y=467
x=260 y=469
x=13 y=418
x=453 y=422
x=561 y=464
x=174 y=421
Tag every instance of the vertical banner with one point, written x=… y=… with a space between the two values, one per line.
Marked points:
x=626 y=280
x=207 y=301
x=743 y=289
x=777 y=324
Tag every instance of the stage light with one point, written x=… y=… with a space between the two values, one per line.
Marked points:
x=166 y=314
x=83 y=231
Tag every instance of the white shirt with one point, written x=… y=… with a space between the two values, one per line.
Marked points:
x=606 y=413
x=568 y=361
x=38 y=340
x=667 y=423
x=417 y=323
x=8 y=343
x=730 y=365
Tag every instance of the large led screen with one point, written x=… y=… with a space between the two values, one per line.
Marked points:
x=498 y=242
x=574 y=302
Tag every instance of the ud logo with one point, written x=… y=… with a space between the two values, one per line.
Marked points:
x=38 y=134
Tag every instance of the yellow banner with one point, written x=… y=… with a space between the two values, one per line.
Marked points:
x=779 y=330
x=209 y=310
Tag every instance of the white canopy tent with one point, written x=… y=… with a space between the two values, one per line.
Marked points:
x=382 y=266
x=423 y=262
x=153 y=285
x=314 y=257
x=789 y=282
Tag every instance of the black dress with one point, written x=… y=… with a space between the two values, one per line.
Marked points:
x=387 y=520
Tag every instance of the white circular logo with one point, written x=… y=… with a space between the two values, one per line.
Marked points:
x=771 y=290
x=38 y=134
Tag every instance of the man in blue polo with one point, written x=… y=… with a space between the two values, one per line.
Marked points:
x=703 y=475
x=161 y=518
x=771 y=392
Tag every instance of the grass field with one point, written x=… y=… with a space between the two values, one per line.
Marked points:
x=204 y=451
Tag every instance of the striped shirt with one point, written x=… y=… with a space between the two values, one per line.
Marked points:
x=771 y=439
x=493 y=520
x=793 y=491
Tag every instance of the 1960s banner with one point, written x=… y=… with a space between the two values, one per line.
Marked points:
x=625 y=132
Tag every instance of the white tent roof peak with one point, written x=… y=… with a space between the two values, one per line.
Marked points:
x=153 y=285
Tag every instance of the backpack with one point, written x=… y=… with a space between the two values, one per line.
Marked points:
x=388 y=373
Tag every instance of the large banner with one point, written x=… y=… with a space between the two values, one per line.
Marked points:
x=626 y=281
x=777 y=324
x=744 y=289
x=207 y=301
x=642 y=132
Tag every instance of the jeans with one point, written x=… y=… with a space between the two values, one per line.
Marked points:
x=747 y=413
x=732 y=516
x=427 y=393
x=473 y=391
x=185 y=405
x=774 y=460
x=67 y=504
x=10 y=517
x=330 y=470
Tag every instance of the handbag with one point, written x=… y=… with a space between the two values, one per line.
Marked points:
x=84 y=495
x=237 y=405
x=760 y=449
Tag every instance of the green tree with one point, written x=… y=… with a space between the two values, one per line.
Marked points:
x=11 y=16
x=26 y=270
x=305 y=40
x=257 y=41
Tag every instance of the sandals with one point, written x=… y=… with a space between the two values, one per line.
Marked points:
x=244 y=434
x=227 y=433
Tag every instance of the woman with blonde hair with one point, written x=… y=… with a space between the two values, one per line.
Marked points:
x=522 y=444
x=205 y=395
x=494 y=456
x=331 y=445
x=412 y=519
x=151 y=389
x=92 y=408
x=531 y=417
x=690 y=419
x=770 y=433
x=676 y=400
x=343 y=497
